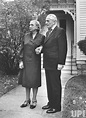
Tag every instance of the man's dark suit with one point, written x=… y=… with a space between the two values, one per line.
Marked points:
x=54 y=53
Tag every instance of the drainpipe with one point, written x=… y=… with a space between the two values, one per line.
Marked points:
x=71 y=56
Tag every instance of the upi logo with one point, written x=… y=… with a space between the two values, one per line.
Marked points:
x=78 y=113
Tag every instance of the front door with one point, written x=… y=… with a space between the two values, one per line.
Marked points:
x=63 y=23
x=68 y=25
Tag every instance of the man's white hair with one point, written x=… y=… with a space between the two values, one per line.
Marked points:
x=52 y=17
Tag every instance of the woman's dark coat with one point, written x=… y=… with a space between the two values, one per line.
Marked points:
x=30 y=76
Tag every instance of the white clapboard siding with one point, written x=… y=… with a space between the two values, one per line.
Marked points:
x=81 y=20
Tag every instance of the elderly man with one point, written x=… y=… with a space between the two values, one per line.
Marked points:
x=54 y=56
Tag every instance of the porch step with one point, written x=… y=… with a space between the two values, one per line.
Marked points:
x=70 y=66
x=69 y=72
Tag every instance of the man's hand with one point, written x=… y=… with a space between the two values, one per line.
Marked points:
x=60 y=67
x=38 y=49
x=21 y=66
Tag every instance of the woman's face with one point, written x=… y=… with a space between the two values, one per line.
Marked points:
x=32 y=26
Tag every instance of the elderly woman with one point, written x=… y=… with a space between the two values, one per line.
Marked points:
x=31 y=74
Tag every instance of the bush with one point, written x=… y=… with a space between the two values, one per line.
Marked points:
x=15 y=17
x=82 y=45
x=8 y=63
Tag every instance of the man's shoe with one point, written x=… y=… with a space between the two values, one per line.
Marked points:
x=46 y=107
x=52 y=110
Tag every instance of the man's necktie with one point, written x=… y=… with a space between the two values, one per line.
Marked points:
x=49 y=32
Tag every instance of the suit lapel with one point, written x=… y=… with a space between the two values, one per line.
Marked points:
x=51 y=34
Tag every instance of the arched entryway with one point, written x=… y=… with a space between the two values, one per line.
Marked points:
x=66 y=21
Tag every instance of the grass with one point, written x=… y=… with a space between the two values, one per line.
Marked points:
x=7 y=83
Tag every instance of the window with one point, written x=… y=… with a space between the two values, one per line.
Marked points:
x=54 y=1
x=70 y=1
x=62 y=1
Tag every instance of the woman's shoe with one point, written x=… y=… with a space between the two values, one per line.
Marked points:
x=33 y=105
x=25 y=104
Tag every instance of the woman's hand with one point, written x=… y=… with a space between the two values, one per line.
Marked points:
x=21 y=66
x=38 y=49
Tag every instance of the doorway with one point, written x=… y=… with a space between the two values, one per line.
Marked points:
x=63 y=24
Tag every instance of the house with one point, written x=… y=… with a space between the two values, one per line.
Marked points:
x=71 y=15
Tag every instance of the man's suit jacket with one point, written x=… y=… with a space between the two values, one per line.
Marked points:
x=55 y=49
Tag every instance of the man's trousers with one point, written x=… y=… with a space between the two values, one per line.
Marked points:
x=54 y=88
